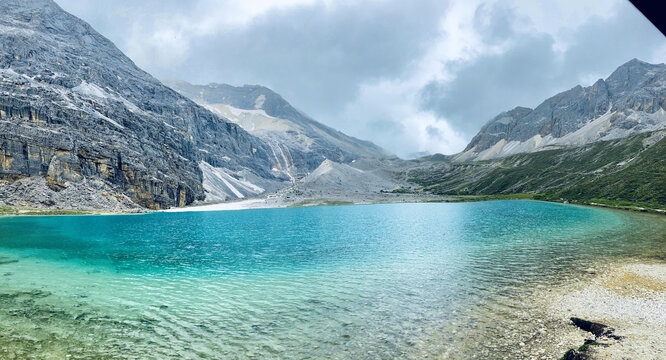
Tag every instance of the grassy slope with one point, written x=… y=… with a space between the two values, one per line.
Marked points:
x=641 y=181
x=596 y=172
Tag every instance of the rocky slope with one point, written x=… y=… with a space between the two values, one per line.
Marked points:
x=631 y=100
x=76 y=112
x=298 y=143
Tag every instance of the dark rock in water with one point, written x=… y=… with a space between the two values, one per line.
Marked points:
x=163 y=307
x=575 y=355
x=38 y=293
x=82 y=316
x=599 y=330
x=582 y=353
x=7 y=261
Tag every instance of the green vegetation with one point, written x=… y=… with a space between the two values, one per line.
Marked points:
x=642 y=182
x=627 y=173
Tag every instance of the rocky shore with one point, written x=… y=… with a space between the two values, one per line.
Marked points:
x=616 y=311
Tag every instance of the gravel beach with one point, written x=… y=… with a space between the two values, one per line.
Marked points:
x=631 y=298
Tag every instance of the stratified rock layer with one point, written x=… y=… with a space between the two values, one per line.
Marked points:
x=74 y=108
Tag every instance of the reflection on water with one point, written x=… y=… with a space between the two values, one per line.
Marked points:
x=376 y=281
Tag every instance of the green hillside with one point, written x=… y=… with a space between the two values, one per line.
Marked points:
x=625 y=172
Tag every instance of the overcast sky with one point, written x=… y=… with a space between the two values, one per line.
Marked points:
x=418 y=75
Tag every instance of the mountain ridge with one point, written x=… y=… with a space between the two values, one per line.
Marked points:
x=634 y=95
x=303 y=141
x=74 y=108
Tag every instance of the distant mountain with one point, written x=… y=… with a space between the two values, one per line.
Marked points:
x=77 y=115
x=629 y=172
x=631 y=100
x=298 y=143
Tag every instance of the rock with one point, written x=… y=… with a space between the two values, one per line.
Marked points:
x=597 y=329
x=603 y=336
x=298 y=143
x=4 y=261
x=75 y=110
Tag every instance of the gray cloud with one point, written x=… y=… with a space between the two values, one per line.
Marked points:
x=315 y=56
x=318 y=57
x=434 y=132
x=531 y=70
x=386 y=127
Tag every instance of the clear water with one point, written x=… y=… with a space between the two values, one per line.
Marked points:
x=343 y=282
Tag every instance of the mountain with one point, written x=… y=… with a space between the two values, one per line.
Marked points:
x=630 y=171
x=298 y=143
x=603 y=144
x=78 y=117
x=631 y=100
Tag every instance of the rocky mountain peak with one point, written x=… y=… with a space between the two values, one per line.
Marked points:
x=632 y=99
x=76 y=110
x=631 y=75
x=298 y=142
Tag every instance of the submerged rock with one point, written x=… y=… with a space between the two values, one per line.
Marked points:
x=4 y=261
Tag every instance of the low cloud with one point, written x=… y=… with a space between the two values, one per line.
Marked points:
x=410 y=76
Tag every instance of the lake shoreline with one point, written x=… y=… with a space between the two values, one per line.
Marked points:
x=275 y=202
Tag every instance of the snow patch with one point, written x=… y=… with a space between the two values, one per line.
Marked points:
x=259 y=101
x=599 y=129
x=90 y=89
x=220 y=185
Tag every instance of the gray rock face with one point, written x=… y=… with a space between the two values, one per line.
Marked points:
x=299 y=144
x=74 y=108
x=635 y=87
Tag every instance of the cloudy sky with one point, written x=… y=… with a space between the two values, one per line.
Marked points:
x=420 y=75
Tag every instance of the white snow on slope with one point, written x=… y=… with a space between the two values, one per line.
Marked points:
x=86 y=88
x=600 y=129
x=220 y=185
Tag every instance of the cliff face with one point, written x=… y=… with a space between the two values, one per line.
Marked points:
x=298 y=143
x=74 y=109
x=631 y=100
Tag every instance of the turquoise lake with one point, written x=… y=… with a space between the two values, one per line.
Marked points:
x=340 y=282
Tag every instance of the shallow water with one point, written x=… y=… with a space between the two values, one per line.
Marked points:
x=372 y=281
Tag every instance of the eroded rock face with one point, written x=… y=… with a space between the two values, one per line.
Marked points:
x=298 y=143
x=634 y=95
x=74 y=108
